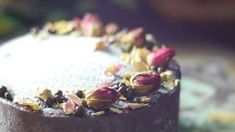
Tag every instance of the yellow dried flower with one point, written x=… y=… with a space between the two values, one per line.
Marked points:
x=133 y=106
x=167 y=75
x=63 y=27
x=113 y=68
x=100 y=45
x=45 y=94
x=115 y=110
x=139 y=65
x=126 y=57
x=29 y=103
x=98 y=114
x=142 y=53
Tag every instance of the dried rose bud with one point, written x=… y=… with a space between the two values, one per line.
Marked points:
x=91 y=25
x=102 y=97
x=111 y=28
x=160 y=57
x=146 y=82
x=135 y=36
x=77 y=23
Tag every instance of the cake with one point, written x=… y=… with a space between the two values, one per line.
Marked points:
x=84 y=76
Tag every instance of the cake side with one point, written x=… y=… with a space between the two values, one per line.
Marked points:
x=162 y=117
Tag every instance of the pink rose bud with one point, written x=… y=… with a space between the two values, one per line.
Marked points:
x=102 y=98
x=146 y=82
x=77 y=23
x=91 y=25
x=137 y=36
x=160 y=57
x=111 y=28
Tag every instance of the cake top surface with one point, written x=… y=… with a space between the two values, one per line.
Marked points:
x=84 y=65
x=58 y=63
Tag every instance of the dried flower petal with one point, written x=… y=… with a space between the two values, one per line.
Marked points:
x=142 y=53
x=167 y=75
x=122 y=98
x=50 y=27
x=135 y=36
x=69 y=107
x=114 y=68
x=73 y=97
x=133 y=106
x=100 y=45
x=168 y=80
x=28 y=103
x=139 y=65
x=63 y=27
x=145 y=99
x=126 y=57
x=98 y=114
x=116 y=110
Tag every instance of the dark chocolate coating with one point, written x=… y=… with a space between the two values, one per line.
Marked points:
x=161 y=117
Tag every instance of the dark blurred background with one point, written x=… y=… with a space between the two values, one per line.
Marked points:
x=202 y=31
x=170 y=20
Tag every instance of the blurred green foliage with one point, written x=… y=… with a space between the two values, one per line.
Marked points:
x=9 y=24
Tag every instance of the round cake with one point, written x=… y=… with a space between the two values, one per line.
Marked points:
x=84 y=76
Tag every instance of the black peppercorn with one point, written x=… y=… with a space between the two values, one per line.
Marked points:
x=154 y=68
x=115 y=86
x=122 y=90
x=126 y=92
x=59 y=99
x=8 y=96
x=122 y=85
x=84 y=103
x=149 y=45
x=78 y=111
x=80 y=94
x=137 y=100
x=50 y=102
x=59 y=93
x=163 y=91
x=3 y=90
x=87 y=112
x=129 y=93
